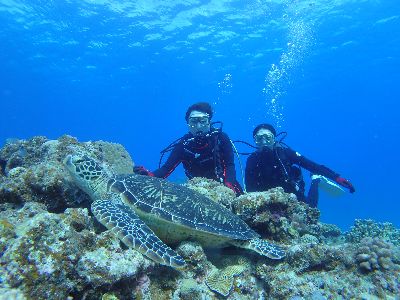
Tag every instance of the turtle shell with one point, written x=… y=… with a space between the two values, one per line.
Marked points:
x=170 y=203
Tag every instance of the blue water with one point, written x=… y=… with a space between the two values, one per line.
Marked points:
x=327 y=72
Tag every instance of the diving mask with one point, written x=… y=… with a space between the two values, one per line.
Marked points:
x=264 y=138
x=199 y=123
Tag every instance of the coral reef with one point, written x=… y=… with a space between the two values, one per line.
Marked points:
x=33 y=170
x=369 y=228
x=375 y=254
x=213 y=190
x=11 y=294
x=194 y=255
x=222 y=280
x=190 y=289
x=277 y=215
x=274 y=214
x=61 y=252
x=51 y=247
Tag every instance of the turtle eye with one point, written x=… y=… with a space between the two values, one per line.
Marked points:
x=78 y=161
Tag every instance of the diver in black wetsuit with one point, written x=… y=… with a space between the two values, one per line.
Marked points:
x=204 y=151
x=274 y=164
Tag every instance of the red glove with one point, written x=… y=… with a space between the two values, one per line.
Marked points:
x=345 y=183
x=140 y=170
x=234 y=187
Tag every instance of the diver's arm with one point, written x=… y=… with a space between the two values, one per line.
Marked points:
x=314 y=168
x=174 y=159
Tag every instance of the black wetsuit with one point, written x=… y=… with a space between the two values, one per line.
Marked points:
x=268 y=168
x=209 y=156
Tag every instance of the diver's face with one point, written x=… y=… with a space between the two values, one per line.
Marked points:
x=264 y=138
x=199 y=123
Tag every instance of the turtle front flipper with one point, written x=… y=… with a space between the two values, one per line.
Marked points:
x=262 y=247
x=127 y=226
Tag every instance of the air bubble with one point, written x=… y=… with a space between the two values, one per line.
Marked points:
x=279 y=76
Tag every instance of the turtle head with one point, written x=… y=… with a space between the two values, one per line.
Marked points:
x=88 y=174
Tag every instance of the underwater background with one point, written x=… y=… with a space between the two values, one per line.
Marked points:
x=327 y=72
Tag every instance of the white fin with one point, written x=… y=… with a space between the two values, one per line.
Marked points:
x=329 y=186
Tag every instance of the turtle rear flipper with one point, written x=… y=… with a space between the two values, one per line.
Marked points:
x=127 y=226
x=262 y=247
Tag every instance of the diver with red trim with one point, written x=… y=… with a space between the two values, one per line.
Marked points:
x=204 y=152
x=274 y=164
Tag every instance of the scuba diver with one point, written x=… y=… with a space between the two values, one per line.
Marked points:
x=274 y=164
x=204 y=152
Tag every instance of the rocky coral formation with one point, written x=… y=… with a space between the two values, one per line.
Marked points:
x=52 y=248
x=329 y=272
x=222 y=280
x=52 y=256
x=276 y=215
x=375 y=254
x=197 y=262
x=32 y=170
x=11 y=294
x=369 y=228
x=213 y=190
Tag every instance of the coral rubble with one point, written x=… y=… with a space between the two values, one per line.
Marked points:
x=51 y=247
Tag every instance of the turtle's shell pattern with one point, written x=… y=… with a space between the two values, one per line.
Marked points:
x=175 y=203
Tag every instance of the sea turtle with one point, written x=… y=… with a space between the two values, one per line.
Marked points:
x=144 y=212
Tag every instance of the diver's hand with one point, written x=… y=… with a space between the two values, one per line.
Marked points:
x=140 y=170
x=345 y=183
x=234 y=187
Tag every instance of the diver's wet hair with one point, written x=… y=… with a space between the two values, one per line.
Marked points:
x=199 y=106
x=265 y=126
